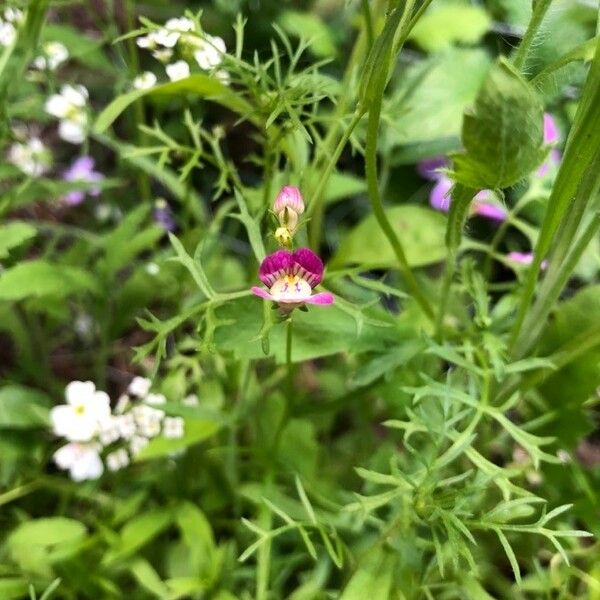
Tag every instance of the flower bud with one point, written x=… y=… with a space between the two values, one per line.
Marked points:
x=283 y=236
x=288 y=206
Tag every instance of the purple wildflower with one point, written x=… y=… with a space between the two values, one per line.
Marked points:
x=524 y=258
x=439 y=197
x=290 y=278
x=288 y=207
x=163 y=215
x=551 y=136
x=82 y=170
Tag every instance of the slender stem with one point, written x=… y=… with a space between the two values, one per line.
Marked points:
x=288 y=359
x=316 y=208
x=539 y=11
x=368 y=23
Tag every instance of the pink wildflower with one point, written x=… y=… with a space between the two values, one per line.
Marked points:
x=290 y=278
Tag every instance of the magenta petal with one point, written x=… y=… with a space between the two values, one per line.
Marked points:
x=523 y=258
x=551 y=133
x=490 y=211
x=308 y=266
x=321 y=298
x=275 y=266
x=439 y=197
x=262 y=293
x=429 y=168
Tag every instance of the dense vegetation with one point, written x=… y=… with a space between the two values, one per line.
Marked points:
x=299 y=299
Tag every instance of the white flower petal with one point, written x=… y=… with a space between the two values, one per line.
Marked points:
x=178 y=70
x=78 y=390
x=71 y=131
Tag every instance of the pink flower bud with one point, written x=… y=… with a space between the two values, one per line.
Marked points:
x=288 y=206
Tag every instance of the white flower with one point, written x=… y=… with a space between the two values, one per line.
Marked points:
x=156 y=399
x=147 y=419
x=144 y=81
x=173 y=427
x=137 y=444
x=210 y=51
x=31 y=157
x=69 y=106
x=81 y=460
x=117 y=460
x=13 y=15
x=81 y=418
x=139 y=386
x=191 y=400
x=69 y=103
x=8 y=33
x=152 y=268
x=164 y=56
x=123 y=403
x=223 y=76
x=109 y=431
x=54 y=54
x=182 y=24
x=71 y=131
x=166 y=38
x=178 y=70
x=126 y=425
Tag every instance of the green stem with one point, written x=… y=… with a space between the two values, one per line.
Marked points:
x=539 y=11
x=368 y=23
x=459 y=211
x=316 y=207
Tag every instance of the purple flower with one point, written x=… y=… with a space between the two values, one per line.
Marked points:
x=290 y=277
x=82 y=170
x=429 y=168
x=163 y=215
x=551 y=136
x=487 y=209
x=439 y=198
x=524 y=258
x=551 y=133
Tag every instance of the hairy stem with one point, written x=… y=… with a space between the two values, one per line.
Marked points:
x=539 y=11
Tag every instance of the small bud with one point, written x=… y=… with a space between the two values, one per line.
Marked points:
x=288 y=206
x=283 y=236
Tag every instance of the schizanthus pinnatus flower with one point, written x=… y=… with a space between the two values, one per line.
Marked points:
x=291 y=277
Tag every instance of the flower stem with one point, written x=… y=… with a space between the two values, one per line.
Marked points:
x=539 y=11
x=316 y=208
x=288 y=359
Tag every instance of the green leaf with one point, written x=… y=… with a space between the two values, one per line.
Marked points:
x=420 y=230
x=22 y=407
x=203 y=85
x=567 y=390
x=38 y=278
x=13 y=588
x=196 y=431
x=309 y=27
x=137 y=533
x=443 y=85
x=503 y=135
x=444 y=25
x=321 y=331
x=373 y=579
x=13 y=235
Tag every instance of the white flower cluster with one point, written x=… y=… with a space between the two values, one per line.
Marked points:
x=182 y=34
x=88 y=424
x=53 y=55
x=30 y=156
x=70 y=107
x=9 y=23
